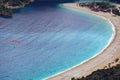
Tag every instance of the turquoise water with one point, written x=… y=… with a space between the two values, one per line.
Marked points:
x=40 y=41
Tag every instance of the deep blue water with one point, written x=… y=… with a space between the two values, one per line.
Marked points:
x=40 y=41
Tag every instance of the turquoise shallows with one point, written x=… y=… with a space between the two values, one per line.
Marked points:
x=40 y=41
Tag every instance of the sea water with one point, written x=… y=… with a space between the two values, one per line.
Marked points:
x=42 y=40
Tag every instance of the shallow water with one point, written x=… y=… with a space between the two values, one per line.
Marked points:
x=40 y=41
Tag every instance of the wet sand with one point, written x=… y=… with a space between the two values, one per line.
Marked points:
x=108 y=55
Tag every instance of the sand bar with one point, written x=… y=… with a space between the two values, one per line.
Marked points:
x=107 y=55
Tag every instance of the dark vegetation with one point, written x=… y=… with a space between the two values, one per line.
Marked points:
x=111 y=73
x=6 y=6
x=102 y=6
x=5 y=12
x=116 y=11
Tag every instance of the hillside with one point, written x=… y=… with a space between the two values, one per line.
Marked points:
x=7 y=5
x=107 y=73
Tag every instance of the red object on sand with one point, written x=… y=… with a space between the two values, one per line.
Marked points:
x=15 y=41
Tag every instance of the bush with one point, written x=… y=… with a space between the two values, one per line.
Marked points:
x=116 y=11
x=5 y=12
x=112 y=73
x=6 y=6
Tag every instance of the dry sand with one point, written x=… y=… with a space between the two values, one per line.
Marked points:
x=100 y=61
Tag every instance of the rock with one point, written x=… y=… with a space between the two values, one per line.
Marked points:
x=5 y=12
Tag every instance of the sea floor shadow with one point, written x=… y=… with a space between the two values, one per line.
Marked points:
x=37 y=5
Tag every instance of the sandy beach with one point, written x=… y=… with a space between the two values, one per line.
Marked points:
x=108 y=55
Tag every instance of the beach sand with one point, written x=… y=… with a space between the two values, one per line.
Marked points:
x=100 y=61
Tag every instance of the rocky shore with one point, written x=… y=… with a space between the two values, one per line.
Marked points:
x=7 y=6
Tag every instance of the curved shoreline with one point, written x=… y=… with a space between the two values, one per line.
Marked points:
x=94 y=56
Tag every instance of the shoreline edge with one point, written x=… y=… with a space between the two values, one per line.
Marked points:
x=67 y=5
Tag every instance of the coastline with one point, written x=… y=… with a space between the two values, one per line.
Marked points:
x=80 y=69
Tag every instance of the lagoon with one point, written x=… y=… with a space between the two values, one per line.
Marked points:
x=42 y=40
